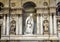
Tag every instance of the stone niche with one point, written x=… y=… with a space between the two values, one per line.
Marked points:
x=46 y=23
x=13 y=25
x=58 y=25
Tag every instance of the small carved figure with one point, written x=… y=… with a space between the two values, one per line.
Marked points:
x=46 y=25
x=13 y=27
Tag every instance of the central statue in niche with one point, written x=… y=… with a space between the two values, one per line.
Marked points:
x=29 y=25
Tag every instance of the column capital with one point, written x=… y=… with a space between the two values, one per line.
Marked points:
x=20 y=14
x=53 y=13
x=38 y=14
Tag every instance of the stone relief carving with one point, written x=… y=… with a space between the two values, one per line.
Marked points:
x=58 y=25
x=45 y=4
x=13 y=27
x=29 y=25
x=46 y=25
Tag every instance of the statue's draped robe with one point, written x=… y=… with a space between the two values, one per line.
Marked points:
x=29 y=25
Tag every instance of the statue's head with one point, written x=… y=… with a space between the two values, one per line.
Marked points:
x=31 y=14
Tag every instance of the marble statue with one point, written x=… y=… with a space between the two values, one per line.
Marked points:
x=13 y=27
x=29 y=25
x=46 y=26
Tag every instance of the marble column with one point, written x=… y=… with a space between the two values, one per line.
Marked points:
x=41 y=27
x=8 y=26
x=51 y=29
x=20 y=25
x=4 y=28
x=55 y=25
x=38 y=24
x=17 y=25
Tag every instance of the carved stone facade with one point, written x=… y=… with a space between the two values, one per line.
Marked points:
x=42 y=26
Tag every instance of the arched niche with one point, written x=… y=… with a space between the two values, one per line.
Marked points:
x=13 y=27
x=58 y=9
x=28 y=7
x=1 y=5
x=46 y=27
